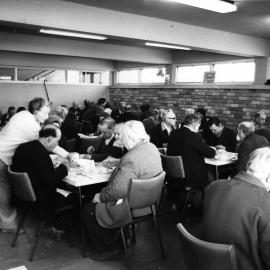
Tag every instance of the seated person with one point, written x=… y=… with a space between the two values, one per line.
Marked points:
x=236 y=212
x=33 y=157
x=127 y=115
x=107 y=146
x=98 y=219
x=160 y=133
x=260 y=120
x=187 y=143
x=225 y=138
x=151 y=121
x=249 y=142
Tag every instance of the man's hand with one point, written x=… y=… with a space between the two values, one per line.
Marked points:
x=90 y=150
x=96 y=198
x=67 y=164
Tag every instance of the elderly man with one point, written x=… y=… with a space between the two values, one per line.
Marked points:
x=119 y=111
x=100 y=219
x=187 y=143
x=160 y=133
x=249 y=142
x=225 y=138
x=33 y=157
x=107 y=146
x=237 y=212
x=260 y=119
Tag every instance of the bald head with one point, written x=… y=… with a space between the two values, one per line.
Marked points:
x=49 y=136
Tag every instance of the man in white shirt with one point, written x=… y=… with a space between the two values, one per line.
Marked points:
x=22 y=127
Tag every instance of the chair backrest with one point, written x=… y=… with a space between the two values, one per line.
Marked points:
x=21 y=186
x=91 y=141
x=204 y=255
x=145 y=192
x=173 y=166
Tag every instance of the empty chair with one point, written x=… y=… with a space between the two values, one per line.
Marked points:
x=174 y=168
x=85 y=142
x=204 y=255
x=144 y=194
x=24 y=192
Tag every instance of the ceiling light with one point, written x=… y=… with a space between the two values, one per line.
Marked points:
x=213 y=5
x=70 y=34
x=166 y=46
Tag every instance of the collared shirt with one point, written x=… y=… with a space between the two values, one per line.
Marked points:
x=164 y=126
x=107 y=141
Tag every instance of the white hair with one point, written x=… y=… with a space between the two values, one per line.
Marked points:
x=258 y=164
x=134 y=132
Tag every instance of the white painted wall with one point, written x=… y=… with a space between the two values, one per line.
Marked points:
x=20 y=93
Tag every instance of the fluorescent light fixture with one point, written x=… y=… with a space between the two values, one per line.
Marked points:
x=70 y=34
x=213 y=5
x=166 y=46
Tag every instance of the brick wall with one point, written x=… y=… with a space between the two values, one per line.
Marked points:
x=230 y=105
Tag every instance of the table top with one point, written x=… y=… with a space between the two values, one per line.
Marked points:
x=78 y=177
x=224 y=158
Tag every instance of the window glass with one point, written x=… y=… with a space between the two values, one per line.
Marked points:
x=191 y=73
x=235 y=72
x=128 y=76
x=51 y=75
x=7 y=74
x=153 y=75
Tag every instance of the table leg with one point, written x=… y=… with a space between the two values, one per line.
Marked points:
x=81 y=225
x=217 y=172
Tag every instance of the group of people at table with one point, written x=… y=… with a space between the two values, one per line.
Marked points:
x=240 y=207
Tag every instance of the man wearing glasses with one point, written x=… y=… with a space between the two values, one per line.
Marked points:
x=160 y=133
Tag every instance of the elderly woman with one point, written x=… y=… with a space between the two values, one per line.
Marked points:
x=99 y=220
x=22 y=127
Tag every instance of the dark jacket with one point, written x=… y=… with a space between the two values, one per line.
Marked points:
x=191 y=147
x=238 y=212
x=127 y=116
x=104 y=151
x=227 y=139
x=33 y=158
x=158 y=136
x=249 y=144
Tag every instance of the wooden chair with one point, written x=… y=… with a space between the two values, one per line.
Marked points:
x=24 y=192
x=174 y=168
x=143 y=193
x=204 y=255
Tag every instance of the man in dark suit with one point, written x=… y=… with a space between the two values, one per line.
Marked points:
x=237 y=212
x=160 y=133
x=249 y=142
x=107 y=146
x=33 y=157
x=5 y=117
x=225 y=138
x=187 y=143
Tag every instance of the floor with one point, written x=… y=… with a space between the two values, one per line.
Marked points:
x=58 y=255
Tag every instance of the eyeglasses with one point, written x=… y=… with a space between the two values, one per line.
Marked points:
x=173 y=118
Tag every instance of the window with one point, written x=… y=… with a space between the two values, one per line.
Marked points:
x=7 y=74
x=153 y=75
x=226 y=72
x=235 y=72
x=128 y=76
x=192 y=74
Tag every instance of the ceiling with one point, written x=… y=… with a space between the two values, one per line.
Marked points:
x=252 y=17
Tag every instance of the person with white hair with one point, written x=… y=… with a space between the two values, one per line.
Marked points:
x=249 y=142
x=236 y=212
x=160 y=133
x=100 y=220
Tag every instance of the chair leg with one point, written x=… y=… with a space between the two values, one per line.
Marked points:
x=185 y=205
x=125 y=246
x=18 y=229
x=70 y=230
x=159 y=237
x=162 y=200
x=133 y=233
x=40 y=228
